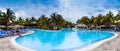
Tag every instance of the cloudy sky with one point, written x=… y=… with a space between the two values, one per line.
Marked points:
x=70 y=9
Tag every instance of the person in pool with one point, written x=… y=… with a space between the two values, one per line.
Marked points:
x=18 y=32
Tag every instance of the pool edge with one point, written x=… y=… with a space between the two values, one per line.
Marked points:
x=95 y=45
x=18 y=46
x=89 y=48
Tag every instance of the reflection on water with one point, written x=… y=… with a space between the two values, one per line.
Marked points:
x=42 y=40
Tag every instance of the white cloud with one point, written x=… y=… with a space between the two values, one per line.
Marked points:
x=74 y=9
x=3 y=9
x=71 y=10
x=20 y=13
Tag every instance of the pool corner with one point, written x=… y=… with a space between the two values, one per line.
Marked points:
x=18 y=46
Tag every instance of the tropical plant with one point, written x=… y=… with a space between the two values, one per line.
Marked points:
x=117 y=17
x=57 y=19
x=20 y=21
x=85 y=20
x=43 y=21
x=109 y=19
x=9 y=16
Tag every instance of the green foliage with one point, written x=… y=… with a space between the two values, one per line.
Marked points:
x=20 y=21
x=7 y=17
x=56 y=20
x=43 y=21
x=84 y=20
x=100 y=19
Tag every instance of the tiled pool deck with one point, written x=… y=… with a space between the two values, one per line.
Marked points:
x=111 y=45
x=5 y=44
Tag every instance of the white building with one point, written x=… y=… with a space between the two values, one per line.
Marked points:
x=81 y=26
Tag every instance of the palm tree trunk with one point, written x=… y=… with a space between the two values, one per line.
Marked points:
x=7 y=25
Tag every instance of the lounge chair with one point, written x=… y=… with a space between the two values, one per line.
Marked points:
x=3 y=34
x=10 y=33
x=24 y=30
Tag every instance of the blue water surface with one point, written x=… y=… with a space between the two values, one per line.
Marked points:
x=61 y=40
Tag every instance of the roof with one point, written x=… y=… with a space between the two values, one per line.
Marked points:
x=92 y=25
x=117 y=21
x=81 y=25
x=113 y=25
x=102 y=25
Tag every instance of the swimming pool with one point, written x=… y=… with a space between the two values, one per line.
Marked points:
x=61 y=40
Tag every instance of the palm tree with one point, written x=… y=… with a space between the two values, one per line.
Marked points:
x=100 y=19
x=43 y=21
x=27 y=21
x=57 y=19
x=21 y=21
x=109 y=19
x=9 y=15
x=60 y=21
x=86 y=21
x=117 y=17
x=33 y=19
x=0 y=18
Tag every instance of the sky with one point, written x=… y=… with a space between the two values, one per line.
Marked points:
x=71 y=10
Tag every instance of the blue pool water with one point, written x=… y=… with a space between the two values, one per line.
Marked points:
x=60 y=40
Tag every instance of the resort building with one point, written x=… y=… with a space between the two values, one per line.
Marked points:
x=104 y=27
x=117 y=23
x=92 y=27
x=81 y=26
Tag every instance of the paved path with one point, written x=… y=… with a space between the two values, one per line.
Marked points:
x=111 y=45
x=5 y=44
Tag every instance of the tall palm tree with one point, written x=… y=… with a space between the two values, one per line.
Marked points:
x=0 y=12
x=57 y=19
x=9 y=15
x=0 y=17
x=109 y=18
x=100 y=18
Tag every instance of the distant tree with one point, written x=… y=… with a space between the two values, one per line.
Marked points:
x=109 y=19
x=20 y=21
x=43 y=21
x=58 y=20
x=79 y=21
x=117 y=17
x=100 y=19
x=33 y=19
x=27 y=19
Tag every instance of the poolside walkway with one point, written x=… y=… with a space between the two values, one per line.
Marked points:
x=111 y=45
x=5 y=44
